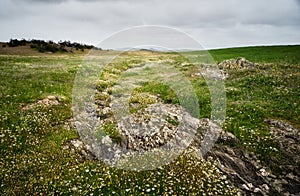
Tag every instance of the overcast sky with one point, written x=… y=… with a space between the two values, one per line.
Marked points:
x=214 y=23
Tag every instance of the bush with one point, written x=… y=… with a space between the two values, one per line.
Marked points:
x=16 y=42
x=49 y=46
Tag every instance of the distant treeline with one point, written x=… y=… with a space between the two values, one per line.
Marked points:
x=50 y=46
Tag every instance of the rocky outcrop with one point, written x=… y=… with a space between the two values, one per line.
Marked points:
x=242 y=168
x=76 y=146
x=288 y=138
x=238 y=63
x=248 y=173
x=165 y=124
x=156 y=126
x=50 y=100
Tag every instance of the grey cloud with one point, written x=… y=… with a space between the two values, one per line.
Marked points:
x=217 y=22
x=40 y=1
x=278 y=13
x=59 y=1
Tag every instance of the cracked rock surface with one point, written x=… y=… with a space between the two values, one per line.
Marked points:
x=247 y=172
x=169 y=125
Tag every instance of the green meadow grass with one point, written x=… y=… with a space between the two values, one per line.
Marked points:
x=34 y=161
x=254 y=95
x=261 y=54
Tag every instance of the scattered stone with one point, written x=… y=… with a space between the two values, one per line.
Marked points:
x=264 y=172
x=242 y=62
x=105 y=112
x=51 y=97
x=257 y=190
x=244 y=186
x=288 y=138
x=69 y=124
x=265 y=187
x=106 y=140
x=77 y=147
x=210 y=73
x=238 y=63
x=228 y=138
x=49 y=101
x=77 y=143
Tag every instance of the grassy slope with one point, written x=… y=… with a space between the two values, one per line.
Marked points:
x=271 y=90
x=275 y=81
x=32 y=155
x=261 y=54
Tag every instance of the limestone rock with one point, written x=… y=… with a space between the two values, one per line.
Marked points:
x=288 y=138
x=49 y=101
x=238 y=63
x=247 y=172
x=166 y=124
x=76 y=146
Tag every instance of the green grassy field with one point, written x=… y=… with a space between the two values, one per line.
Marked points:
x=261 y=54
x=33 y=159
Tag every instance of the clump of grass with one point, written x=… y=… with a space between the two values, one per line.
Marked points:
x=101 y=85
x=110 y=129
x=140 y=100
x=101 y=96
x=172 y=121
x=161 y=90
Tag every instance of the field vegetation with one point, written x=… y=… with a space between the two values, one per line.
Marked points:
x=33 y=157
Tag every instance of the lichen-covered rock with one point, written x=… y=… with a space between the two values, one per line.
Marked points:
x=76 y=146
x=247 y=172
x=49 y=101
x=238 y=63
x=288 y=138
x=160 y=125
x=151 y=127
